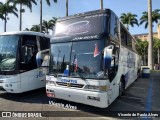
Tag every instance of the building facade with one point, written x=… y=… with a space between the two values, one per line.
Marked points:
x=144 y=36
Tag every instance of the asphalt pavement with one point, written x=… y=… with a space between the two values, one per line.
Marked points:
x=141 y=98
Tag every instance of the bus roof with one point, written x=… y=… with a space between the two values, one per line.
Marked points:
x=84 y=14
x=25 y=33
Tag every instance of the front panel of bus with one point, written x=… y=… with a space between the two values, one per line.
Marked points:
x=9 y=62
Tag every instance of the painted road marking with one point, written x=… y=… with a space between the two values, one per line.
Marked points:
x=149 y=96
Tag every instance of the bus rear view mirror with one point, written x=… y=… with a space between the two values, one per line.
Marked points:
x=107 y=57
x=42 y=58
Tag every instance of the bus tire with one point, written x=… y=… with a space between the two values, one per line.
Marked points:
x=138 y=74
x=121 y=87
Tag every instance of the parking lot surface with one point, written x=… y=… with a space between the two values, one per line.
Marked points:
x=143 y=95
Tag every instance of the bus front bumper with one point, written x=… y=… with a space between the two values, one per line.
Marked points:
x=97 y=99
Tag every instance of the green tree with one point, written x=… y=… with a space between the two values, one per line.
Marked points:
x=26 y=29
x=157 y=47
x=52 y=23
x=35 y=28
x=129 y=19
x=46 y=26
x=142 y=48
x=41 y=9
x=155 y=17
x=1 y=13
x=27 y=3
x=5 y=9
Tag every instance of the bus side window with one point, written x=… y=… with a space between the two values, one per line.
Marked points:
x=44 y=43
x=114 y=28
x=124 y=36
x=28 y=53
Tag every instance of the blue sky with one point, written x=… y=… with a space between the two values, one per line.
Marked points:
x=78 y=6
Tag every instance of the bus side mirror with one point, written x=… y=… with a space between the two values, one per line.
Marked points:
x=42 y=58
x=107 y=56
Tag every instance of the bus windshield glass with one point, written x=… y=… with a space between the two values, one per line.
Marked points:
x=8 y=52
x=84 y=59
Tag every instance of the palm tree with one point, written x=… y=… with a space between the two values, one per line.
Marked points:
x=142 y=48
x=27 y=3
x=129 y=19
x=66 y=7
x=5 y=9
x=150 y=47
x=48 y=3
x=157 y=46
x=26 y=29
x=46 y=26
x=1 y=13
x=52 y=23
x=155 y=17
x=101 y=5
x=35 y=28
x=144 y=19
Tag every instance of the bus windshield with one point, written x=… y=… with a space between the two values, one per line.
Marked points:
x=84 y=59
x=8 y=52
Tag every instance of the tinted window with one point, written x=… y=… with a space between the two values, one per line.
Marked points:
x=87 y=25
x=129 y=41
x=123 y=36
x=44 y=43
x=28 y=53
x=114 y=26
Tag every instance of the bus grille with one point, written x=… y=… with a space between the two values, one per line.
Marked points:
x=70 y=84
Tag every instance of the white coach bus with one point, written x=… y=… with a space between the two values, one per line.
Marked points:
x=92 y=59
x=18 y=68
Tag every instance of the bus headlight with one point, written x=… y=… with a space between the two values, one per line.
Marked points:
x=97 y=88
x=50 y=82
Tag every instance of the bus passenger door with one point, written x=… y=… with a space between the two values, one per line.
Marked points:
x=112 y=72
x=28 y=66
